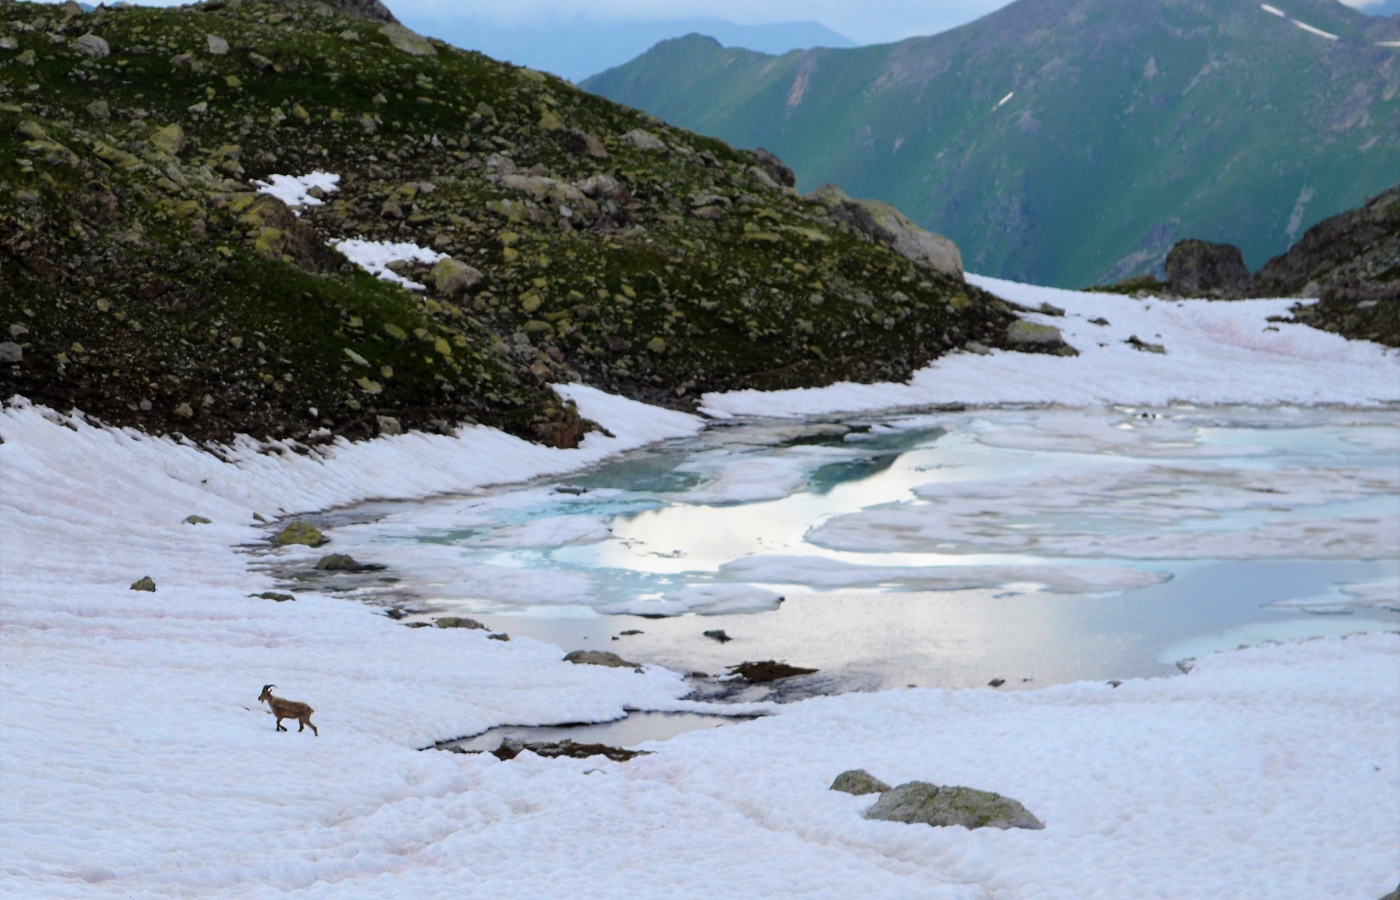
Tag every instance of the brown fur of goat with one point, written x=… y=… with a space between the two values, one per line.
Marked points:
x=287 y=709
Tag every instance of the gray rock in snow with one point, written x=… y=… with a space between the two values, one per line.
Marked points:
x=858 y=782
x=919 y=801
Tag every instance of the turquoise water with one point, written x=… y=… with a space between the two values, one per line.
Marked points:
x=1034 y=546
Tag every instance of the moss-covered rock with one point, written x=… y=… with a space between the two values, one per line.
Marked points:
x=459 y=622
x=144 y=584
x=598 y=658
x=931 y=804
x=300 y=533
x=858 y=782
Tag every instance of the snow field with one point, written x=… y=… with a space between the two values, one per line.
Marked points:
x=137 y=764
x=1204 y=341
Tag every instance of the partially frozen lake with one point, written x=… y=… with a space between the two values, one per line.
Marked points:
x=942 y=549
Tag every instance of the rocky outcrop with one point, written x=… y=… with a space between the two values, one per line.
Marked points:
x=1202 y=269
x=939 y=806
x=1351 y=250
x=369 y=9
x=858 y=782
x=1351 y=264
x=776 y=168
x=893 y=229
x=144 y=584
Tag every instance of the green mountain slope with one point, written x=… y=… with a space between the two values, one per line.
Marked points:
x=1070 y=142
x=145 y=281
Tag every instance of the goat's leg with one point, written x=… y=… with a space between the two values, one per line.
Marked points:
x=313 y=727
x=280 y=726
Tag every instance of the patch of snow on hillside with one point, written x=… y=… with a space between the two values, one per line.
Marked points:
x=292 y=189
x=375 y=256
x=1273 y=10
x=1311 y=30
x=1217 y=352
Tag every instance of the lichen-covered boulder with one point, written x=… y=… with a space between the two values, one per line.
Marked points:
x=301 y=533
x=598 y=658
x=453 y=277
x=931 y=804
x=892 y=228
x=1200 y=268
x=858 y=782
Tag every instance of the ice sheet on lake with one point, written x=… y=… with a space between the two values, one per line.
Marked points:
x=1140 y=511
x=552 y=531
x=821 y=572
x=749 y=478
x=715 y=599
x=1346 y=598
x=1217 y=353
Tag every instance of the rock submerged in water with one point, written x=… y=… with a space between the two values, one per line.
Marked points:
x=301 y=533
x=344 y=562
x=1202 y=269
x=599 y=658
x=510 y=748
x=931 y=804
x=858 y=782
x=766 y=671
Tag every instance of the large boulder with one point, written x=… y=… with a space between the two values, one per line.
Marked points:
x=893 y=229
x=1203 y=269
x=931 y=804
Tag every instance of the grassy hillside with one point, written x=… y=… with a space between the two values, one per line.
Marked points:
x=144 y=281
x=1124 y=128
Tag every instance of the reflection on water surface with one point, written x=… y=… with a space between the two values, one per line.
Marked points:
x=941 y=550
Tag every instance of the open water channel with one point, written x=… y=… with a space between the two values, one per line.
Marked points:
x=941 y=550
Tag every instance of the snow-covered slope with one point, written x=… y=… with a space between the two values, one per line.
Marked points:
x=1216 y=353
x=136 y=763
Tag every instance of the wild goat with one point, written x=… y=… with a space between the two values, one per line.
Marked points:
x=287 y=709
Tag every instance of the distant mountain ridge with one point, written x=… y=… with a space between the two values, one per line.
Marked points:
x=576 y=49
x=1070 y=142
